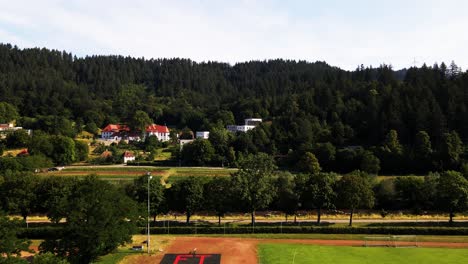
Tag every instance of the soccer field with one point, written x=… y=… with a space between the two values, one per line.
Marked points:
x=306 y=254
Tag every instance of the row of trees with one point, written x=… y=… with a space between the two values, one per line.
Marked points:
x=256 y=186
x=57 y=149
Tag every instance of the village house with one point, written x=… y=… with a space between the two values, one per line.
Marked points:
x=203 y=134
x=161 y=132
x=114 y=132
x=249 y=124
x=10 y=127
x=117 y=132
x=128 y=156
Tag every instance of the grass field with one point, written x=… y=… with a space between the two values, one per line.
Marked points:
x=132 y=172
x=116 y=257
x=306 y=254
x=422 y=238
x=124 y=255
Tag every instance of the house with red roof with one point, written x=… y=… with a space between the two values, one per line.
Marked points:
x=161 y=132
x=10 y=127
x=114 y=132
x=128 y=156
x=118 y=132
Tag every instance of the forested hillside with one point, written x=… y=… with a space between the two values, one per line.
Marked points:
x=407 y=121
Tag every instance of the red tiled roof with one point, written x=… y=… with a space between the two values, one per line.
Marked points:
x=157 y=128
x=106 y=154
x=115 y=128
x=128 y=154
x=23 y=152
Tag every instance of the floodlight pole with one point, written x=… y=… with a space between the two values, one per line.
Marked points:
x=148 y=218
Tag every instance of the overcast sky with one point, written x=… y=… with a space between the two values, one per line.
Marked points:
x=342 y=33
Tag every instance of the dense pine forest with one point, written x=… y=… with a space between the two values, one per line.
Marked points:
x=373 y=119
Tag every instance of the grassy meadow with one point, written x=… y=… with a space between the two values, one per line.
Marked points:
x=127 y=173
x=306 y=254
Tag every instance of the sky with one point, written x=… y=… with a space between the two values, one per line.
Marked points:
x=342 y=33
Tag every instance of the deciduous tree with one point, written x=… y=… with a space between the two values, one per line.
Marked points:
x=354 y=192
x=253 y=182
x=99 y=218
x=10 y=245
x=187 y=196
x=320 y=192
x=19 y=193
x=139 y=192
x=309 y=163
x=287 y=199
x=452 y=193
x=199 y=152
x=8 y=112
x=218 y=196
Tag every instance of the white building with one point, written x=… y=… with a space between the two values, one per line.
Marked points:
x=182 y=142
x=249 y=124
x=128 y=156
x=117 y=132
x=10 y=127
x=203 y=134
x=114 y=132
x=161 y=132
x=253 y=121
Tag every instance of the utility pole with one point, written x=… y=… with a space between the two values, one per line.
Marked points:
x=148 y=218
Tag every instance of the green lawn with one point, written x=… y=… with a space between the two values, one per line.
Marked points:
x=306 y=254
x=112 y=258
x=422 y=238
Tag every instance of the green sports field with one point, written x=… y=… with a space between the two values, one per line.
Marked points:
x=307 y=254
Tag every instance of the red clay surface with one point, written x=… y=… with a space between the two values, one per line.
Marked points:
x=244 y=250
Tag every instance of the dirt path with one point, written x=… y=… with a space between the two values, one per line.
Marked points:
x=244 y=250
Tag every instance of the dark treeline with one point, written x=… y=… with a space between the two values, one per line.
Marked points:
x=410 y=121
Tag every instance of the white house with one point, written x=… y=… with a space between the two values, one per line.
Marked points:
x=128 y=156
x=117 y=132
x=249 y=124
x=182 y=142
x=161 y=132
x=5 y=129
x=253 y=121
x=203 y=134
x=114 y=132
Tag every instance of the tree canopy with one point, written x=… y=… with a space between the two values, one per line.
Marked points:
x=98 y=219
x=10 y=245
x=355 y=191
x=308 y=107
x=253 y=182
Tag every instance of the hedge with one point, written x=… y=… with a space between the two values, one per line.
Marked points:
x=41 y=232
x=56 y=232
x=310 y=230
